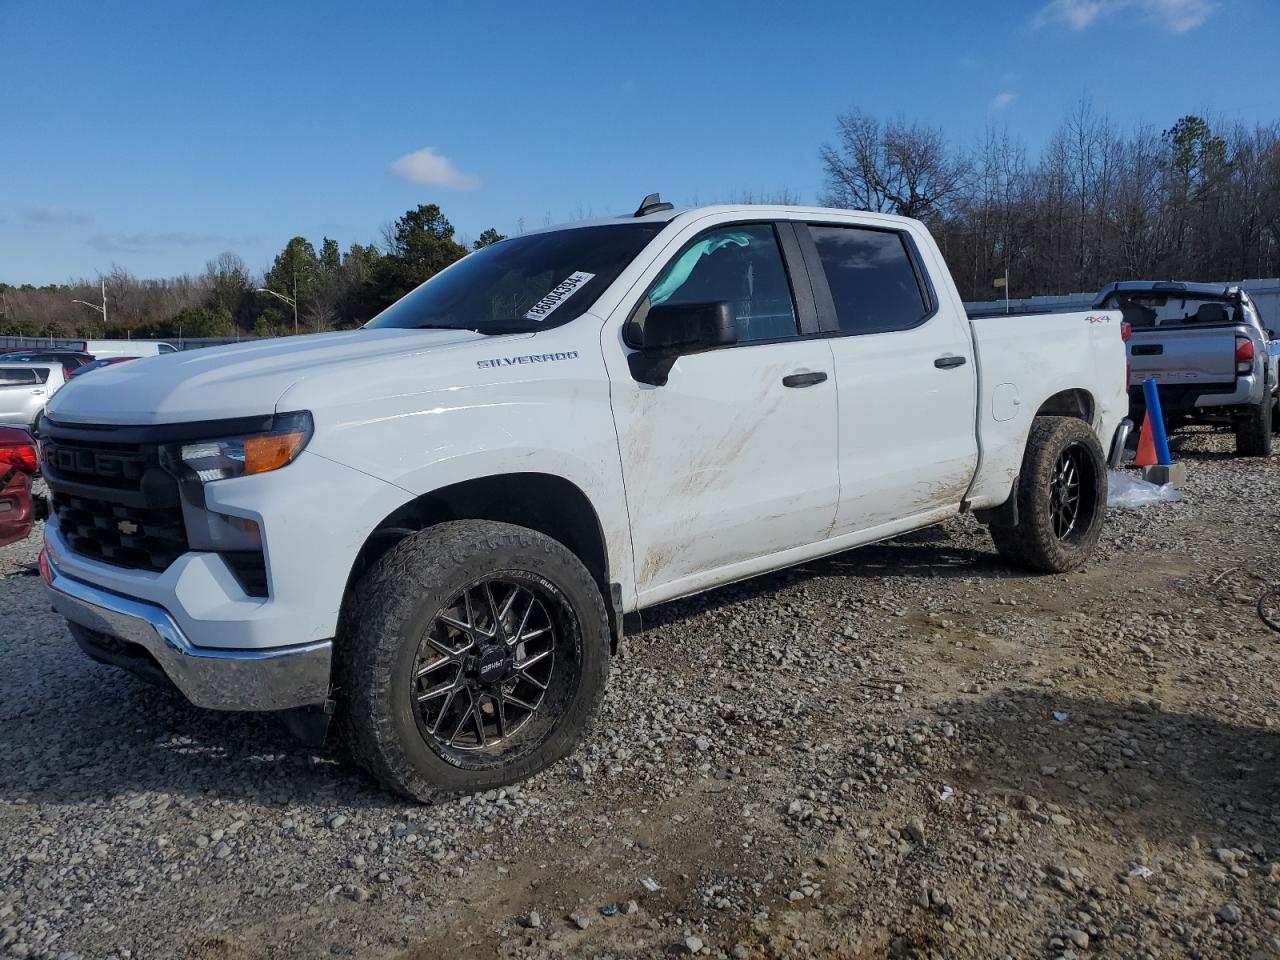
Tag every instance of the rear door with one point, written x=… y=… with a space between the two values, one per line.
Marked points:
x=734 y=458
x=905 y=375
x=21 y=394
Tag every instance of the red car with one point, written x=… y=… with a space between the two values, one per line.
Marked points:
x=18 y=464
x=70 y=359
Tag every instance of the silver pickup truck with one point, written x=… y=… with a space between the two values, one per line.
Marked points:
x=1210 y=353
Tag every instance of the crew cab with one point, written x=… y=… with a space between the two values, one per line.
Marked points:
x=1209 y=351
x=434 y=527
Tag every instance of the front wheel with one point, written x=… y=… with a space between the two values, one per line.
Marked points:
x=472 y=655
x=1061 y=498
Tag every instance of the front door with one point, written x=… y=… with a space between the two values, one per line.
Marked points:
x=734 y=458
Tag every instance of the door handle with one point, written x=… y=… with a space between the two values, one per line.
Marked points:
x=947 y=362
x=803 y=379
x=1148 y=349
x=38 y=392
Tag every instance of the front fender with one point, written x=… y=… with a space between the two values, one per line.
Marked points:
x=538 y=421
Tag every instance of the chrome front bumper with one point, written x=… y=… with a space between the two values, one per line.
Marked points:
x=277 y=678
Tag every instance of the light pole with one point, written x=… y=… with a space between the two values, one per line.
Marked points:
x=101 y=309
x=291 y=301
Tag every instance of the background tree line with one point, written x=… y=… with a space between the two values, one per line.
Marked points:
x=1196 y=201
x=1199 y=200
x=332 y=289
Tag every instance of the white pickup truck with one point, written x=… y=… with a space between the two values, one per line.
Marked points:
x=433 y=527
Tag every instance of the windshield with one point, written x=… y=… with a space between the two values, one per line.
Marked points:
x=1158 y=310
x=526 y=283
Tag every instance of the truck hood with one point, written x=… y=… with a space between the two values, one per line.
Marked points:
x=239 y=380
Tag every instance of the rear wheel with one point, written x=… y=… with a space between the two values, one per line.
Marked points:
x=1061 y=498
x=1253 y=432
x=472 y=655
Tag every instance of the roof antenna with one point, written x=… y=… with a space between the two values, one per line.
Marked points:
x=652 y=204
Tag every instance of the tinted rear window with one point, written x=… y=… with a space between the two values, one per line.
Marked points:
x=872 y=278
x=17 y=376
x=1158 y=310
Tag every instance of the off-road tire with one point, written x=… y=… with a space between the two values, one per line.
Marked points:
x=1033 y=542
x=384 y=619
x=1253 y=432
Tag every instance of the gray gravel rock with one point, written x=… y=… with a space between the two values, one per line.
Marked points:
x=790 y=760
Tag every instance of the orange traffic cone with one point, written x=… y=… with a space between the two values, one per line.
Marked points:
x=1146 y=455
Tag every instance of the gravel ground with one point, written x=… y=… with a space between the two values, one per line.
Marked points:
x=903 y=751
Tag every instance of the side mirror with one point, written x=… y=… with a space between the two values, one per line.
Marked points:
x=670 y=331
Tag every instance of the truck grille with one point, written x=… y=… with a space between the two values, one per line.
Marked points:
x=128 y=537
x=112 y=500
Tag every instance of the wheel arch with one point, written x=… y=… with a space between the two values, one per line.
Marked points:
x=1074 y=402
x=547 y=503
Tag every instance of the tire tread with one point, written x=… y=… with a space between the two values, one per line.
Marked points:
x=386 y=598
x=1031 y=544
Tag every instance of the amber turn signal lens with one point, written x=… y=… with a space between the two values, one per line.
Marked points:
x=271 y=452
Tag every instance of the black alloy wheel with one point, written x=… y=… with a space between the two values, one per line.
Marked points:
x=487 y=666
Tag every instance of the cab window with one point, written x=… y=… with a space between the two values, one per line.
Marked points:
x=741 y=264
x=873 y=279
x=17 y=376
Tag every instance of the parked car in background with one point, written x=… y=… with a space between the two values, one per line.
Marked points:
x=69 y=359
x=25 y=387
x=124 y=348
x=99 y=364
x=18 y=464
x=437 y=523
x=1209 y=351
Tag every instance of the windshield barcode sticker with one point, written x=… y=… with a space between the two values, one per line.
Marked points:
x=558 y=295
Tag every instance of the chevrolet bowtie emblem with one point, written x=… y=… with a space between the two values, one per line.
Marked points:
x=127 y=527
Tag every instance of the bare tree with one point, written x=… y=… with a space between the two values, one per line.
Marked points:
x=894 y=168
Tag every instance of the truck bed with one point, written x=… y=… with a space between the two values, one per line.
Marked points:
x=1050 y=354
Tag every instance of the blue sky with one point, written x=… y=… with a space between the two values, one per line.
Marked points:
x=155 y=135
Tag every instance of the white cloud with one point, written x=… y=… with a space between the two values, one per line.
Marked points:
x=1003 y=100
x=149 y=242
x=56 y=216
x=1176 y=16
x=1076 y=14
x=427 y=166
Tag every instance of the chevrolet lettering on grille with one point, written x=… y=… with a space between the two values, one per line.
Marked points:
x=93 y=462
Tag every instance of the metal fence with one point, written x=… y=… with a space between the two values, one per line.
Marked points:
x=1265 y=293
x=45 y=343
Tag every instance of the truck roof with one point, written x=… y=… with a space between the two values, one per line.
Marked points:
x=1196 y=291
x=750 y=210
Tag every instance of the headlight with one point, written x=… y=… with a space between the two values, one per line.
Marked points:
x=241 y=456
